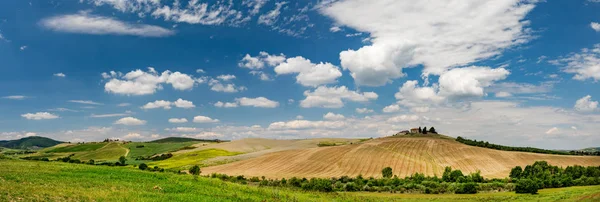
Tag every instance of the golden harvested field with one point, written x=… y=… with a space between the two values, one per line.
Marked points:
x=255 y=147
x=406 y=155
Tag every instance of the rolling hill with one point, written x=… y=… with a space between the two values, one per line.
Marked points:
x=33 y=142
x=406 y=156
x=183 y=139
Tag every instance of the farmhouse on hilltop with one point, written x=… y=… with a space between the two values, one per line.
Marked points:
x=414 y=130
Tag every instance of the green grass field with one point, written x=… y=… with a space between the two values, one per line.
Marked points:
x=150 y=149
x=186 y=160
x=54 y=181
x=77 y=148
x=110 y=152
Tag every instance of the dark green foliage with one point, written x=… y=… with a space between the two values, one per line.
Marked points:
x=156 y=158
x=467 y=188
x=526 y=186
x=195 y=170
x=424 y=130
x=33 y=142
x=455 y=174
x=316 y=184
x=387 y=172
x=446 y=176
x=523 y=149
x=143 y=166
x=516 y=172
x=122 y=160
x=432 y=130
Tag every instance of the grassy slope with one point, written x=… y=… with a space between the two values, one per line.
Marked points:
x=54 y=181
x=110 y=152
x=185 y=160
x=150 y=149
x=77 y=148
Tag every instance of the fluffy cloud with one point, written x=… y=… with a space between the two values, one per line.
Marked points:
x=260 y=61
x=412 y=95
x=217 y=86
x=130 y=121
x=333 y=116
x=130 y=136
x=183 y=104
x=585 y=64
x=585 y=104
x=87 y=102
x=436 y=31
x=140 y=82
x=206 y=134
x=391 y=108
x=332 y=97
x=309 y=74
x=304 y=124
x=204 y=119
x=85 y=23
x=180 y=103
x=178 y=120
x=403 y=118
x=39 y=116
x=183 y=129
x=257 y=102
x=595 y=26
x=226 y=77
x=158 y=104
x=60 y=75
x=469 y=81
x=363 y=110
x=226 y=104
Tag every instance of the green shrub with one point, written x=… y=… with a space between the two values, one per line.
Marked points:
x=143 y=166
x=467 y=188
x=526 y=186
x=195 y=170
x=387 y=172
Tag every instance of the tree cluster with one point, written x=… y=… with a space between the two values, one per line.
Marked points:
x=509 y=148
x=156 y=157
x=425 y=131
x=456 y=182
x=543 y=175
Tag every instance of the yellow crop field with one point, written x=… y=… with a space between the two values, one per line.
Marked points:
x=405 y=156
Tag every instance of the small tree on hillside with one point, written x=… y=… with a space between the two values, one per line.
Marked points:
x=143 y=166
x=420 y=130
x=526 y=186
x=195 y=171
x=122 y=160
x=386 y=172
x=432 y=130
x=424 y=130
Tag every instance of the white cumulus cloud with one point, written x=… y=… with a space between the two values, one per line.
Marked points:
x=178 y=120
x=204 y=119
x=39 y=116
x=334 y=97
x=130 y=121
x=435 y=36
x=586 y=104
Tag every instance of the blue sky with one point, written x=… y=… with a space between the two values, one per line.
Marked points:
x=512 y=72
